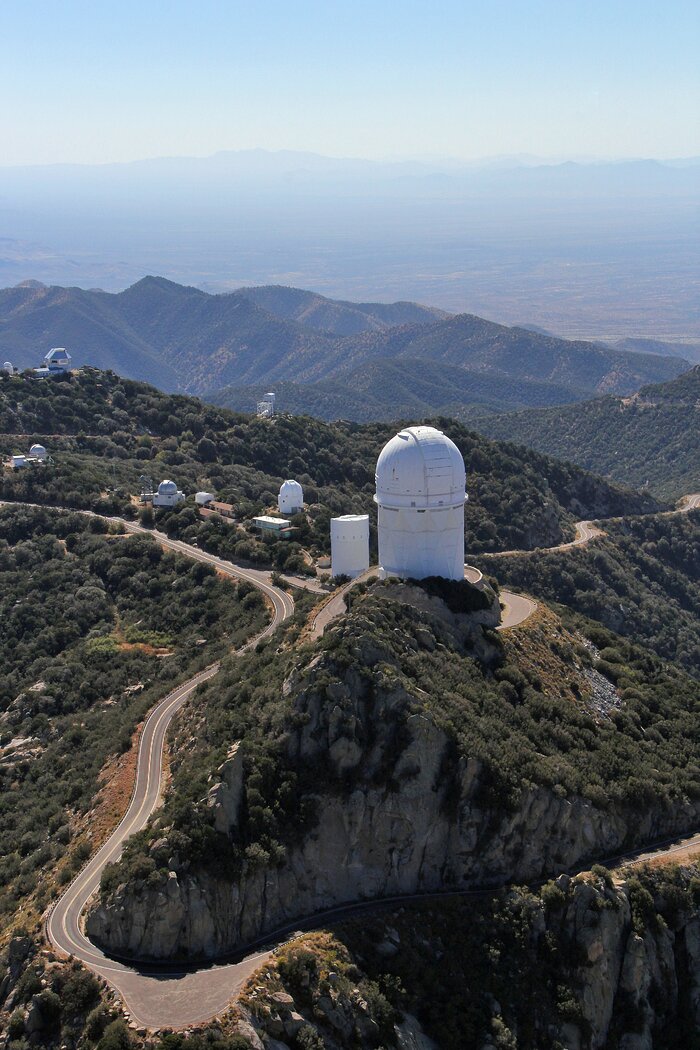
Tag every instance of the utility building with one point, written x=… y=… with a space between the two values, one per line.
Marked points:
x=349 y=545
x=291 y=498
x=420 y=483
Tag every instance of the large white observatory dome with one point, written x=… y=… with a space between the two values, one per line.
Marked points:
x=8 y=367
x=167 y=488
x=420 y=494
x=291 y=497
x=37 y=452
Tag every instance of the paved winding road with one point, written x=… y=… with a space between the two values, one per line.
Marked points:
x=177 y=999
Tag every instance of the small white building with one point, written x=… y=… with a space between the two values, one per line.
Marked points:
x=202 y=498
x=168 y=494
x=38 y=452
x=291 y=498
x=9 y=368
x=349 y=545
x=17 y=462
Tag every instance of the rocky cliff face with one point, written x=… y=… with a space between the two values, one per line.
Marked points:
x=399 y=811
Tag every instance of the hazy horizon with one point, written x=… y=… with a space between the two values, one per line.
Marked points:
x=117 y=82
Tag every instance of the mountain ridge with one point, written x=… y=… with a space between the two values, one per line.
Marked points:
x=183 y=338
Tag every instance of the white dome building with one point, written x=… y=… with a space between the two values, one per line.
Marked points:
x=291 y=498
x=8 y=367
x=420 y=495
x=37 y=452
x=168 y=494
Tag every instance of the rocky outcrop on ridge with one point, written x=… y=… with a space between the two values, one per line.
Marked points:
x=398 y=809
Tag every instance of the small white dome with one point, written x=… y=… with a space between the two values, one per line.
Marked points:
x=166 y=487
x=38 y=451
x=420 y=467
x=8 y=367
x=292 y=488
x=291 y=496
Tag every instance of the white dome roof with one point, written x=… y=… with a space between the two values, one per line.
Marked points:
x=37 y=450
x=8 y=366
x=166 y=487
x=420 y=467
x=291 y=488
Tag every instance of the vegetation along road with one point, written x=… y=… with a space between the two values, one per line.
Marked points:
x=168 y=997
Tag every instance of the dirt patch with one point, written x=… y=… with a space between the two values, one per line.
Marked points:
x=542 y=646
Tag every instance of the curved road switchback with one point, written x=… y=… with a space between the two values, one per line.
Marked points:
x=167 y=999
x=177 y=999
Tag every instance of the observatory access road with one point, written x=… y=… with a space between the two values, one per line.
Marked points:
x=159 y=999
x=177 y=998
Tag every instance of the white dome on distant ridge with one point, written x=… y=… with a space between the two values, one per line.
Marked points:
x=166 y=487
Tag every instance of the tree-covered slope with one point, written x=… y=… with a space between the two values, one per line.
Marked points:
x=95 y=627
x=651 y=439
x=109 y=431
x=495 y=751
x=642 y=580
x=394 y=388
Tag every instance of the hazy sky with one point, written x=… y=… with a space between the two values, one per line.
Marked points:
x=123 y=79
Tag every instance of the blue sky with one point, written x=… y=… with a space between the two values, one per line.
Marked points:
x=107 y=80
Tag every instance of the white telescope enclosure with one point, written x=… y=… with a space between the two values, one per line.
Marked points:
x=420 y=494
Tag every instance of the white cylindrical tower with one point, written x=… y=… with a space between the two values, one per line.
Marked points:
x=349 y=545
x=420 y=494
x=291 y=498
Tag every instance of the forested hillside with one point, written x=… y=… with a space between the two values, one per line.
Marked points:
x=104 y=432
x=651 y=439
x=642 y=580
x=495 y=750
x=95 y=626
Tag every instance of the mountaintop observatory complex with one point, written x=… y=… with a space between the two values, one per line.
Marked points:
x=420 y=497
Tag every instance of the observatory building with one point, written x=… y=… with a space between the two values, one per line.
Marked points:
x=420 y=497
x=266 y=406
x=168 y=495
x=349 y=545
x=291 y=498
x=38 y=452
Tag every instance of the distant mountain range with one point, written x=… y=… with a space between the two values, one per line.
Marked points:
x=650 y=439
x=336 y=358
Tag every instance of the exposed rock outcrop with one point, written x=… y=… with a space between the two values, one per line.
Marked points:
x=398 y=811
x=224 y=797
